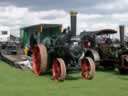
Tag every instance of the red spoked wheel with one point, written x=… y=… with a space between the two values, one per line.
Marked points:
x=88 y=68
x=39 y=59
x=59 y=69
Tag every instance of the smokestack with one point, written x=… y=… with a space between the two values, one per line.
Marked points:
x=121 y=27
x=73 y=15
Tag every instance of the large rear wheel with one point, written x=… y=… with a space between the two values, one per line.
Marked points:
x=88 y=68
x=59 y=69
x=39 y=59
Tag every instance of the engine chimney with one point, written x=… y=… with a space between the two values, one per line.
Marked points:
x=73 y=15
x=121 y=28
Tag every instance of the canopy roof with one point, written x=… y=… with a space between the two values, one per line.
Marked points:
x=106 y=32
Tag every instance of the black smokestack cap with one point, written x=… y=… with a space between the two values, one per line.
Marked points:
x=73 y=15
x=121 y=28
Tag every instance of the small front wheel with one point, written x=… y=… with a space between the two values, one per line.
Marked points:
x=88 y=68
x=59 y=69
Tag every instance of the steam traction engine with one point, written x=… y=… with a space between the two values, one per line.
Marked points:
x=51 y=48
x=104 y=51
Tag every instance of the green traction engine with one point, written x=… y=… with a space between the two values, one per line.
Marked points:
x=56 y=51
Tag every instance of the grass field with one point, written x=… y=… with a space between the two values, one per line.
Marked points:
x=15 y=82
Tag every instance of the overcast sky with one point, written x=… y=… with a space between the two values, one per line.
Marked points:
x=92 y=14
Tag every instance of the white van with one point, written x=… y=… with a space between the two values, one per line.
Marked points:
x=4 y=34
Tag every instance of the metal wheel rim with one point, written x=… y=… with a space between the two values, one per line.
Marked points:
x=43 y=54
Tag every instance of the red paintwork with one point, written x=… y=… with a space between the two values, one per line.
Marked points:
x=86 y=44
x=36 y=59
x=56 y=70
x=85 y=67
